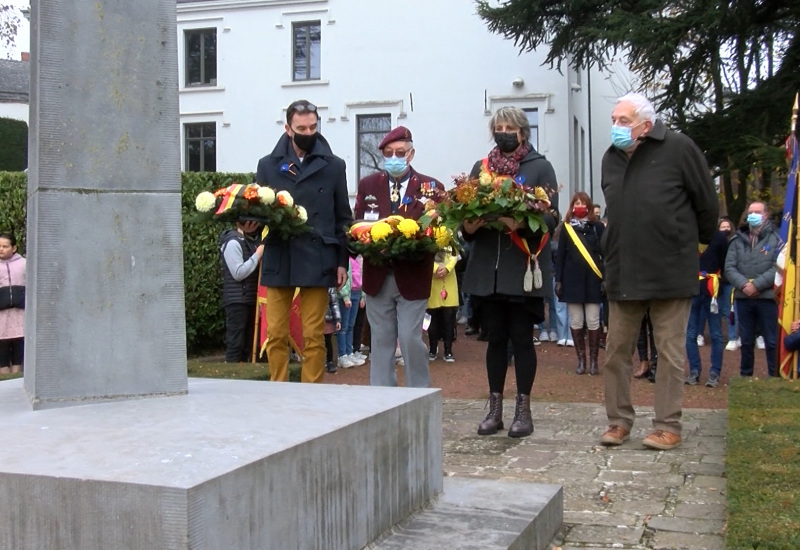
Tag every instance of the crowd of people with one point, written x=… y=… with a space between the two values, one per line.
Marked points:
x=651 y=274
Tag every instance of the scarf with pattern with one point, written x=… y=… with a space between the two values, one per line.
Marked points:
x=508 y=166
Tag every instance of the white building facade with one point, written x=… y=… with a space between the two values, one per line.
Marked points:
x=370 y=66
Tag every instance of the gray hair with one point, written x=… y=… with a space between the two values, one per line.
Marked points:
x=643 y=107
x=512 y=115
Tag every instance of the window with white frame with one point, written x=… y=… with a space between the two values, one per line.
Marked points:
x=371 y=131
x=533 y=121
x=306 y=50
x=200 y=147
x=201 y=57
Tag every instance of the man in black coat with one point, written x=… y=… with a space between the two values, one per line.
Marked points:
x=303 y=164
x=661 y=202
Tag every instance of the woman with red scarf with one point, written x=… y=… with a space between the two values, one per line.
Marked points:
x=497 y=266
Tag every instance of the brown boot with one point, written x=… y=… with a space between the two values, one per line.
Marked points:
x=578 y=336
x=594 y=348
x=644 y=369
x=523 y=422
x=493 y=420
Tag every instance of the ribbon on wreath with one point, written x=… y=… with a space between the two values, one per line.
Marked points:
x=532 y=278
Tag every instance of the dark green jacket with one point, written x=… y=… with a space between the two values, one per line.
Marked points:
x=661 y=203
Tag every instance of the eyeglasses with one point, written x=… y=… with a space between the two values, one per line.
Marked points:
x=399 y=153
x=301 y=108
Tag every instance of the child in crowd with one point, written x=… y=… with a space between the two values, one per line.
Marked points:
x=240 y=252
x=333 y=323
x=443 y=305
x=349 y=298
x=12 y=305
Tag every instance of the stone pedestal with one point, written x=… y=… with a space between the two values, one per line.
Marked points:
x=232 y=464
x=105 y=310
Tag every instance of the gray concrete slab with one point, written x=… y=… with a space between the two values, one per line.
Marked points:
x=482 y=514
x=232 y=464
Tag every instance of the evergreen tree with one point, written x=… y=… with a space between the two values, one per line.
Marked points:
x=723 y=72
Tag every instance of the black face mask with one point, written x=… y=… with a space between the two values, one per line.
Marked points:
x=305 y=141
x=506 y=141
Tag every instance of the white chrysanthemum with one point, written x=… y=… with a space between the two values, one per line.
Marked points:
x=266 y=195
x=205 y=202
x=284 y=198
x=302 y=214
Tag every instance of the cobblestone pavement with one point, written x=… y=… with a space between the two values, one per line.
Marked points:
x=625 y=497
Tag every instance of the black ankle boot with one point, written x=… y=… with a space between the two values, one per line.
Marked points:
x=523 y=422
x=493 y=420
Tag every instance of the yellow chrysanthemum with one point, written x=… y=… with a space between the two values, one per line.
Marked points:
x=443 y=236
x=380 y=231
x=485 y=178
x=408 y=227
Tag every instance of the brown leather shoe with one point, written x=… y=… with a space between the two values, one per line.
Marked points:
x=661 y=440
x=644 y=370
x=615 y=435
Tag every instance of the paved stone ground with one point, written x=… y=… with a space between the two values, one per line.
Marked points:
x=625 y=497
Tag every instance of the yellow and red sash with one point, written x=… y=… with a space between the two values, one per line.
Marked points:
x=582 y=249
x=712 y=282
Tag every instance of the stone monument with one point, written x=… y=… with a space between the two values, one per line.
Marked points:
x=229 y=464
x=105 y=313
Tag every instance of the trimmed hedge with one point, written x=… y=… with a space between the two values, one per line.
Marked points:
x=205 y=318
x=13 y=144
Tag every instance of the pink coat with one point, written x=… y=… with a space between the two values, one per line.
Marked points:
x=12 y=321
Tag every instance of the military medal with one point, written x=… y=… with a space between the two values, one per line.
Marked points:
x=395 y=196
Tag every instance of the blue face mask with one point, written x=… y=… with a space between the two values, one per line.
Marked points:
x=621 y=136
x=754 y=220
x=395 y=166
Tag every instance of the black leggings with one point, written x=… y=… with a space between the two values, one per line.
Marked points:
x=11 y=352
x=504 y=321
x=442 y=327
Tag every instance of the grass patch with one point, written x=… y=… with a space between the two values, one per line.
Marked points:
x=763 y=464
x=204 y=368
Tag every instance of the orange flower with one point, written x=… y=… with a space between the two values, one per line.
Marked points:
x=251 y=193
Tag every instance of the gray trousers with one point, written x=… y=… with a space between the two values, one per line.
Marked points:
x=392 y=318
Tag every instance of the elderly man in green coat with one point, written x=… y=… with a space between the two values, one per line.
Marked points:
x=661 y=205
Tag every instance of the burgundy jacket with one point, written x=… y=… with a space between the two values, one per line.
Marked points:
x=413 y=278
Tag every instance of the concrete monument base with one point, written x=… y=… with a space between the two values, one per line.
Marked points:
x=233 y=464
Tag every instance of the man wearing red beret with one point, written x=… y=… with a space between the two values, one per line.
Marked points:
x=397 y=296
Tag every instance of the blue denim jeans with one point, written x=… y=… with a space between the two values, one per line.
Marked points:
x=763 y=312
x=344 y=338
x=552 y=316
x=562 y=320
x=725 y=309
x=698 y=313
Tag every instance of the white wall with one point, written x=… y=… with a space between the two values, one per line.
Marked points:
x=17 y=111
x=378 y=57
